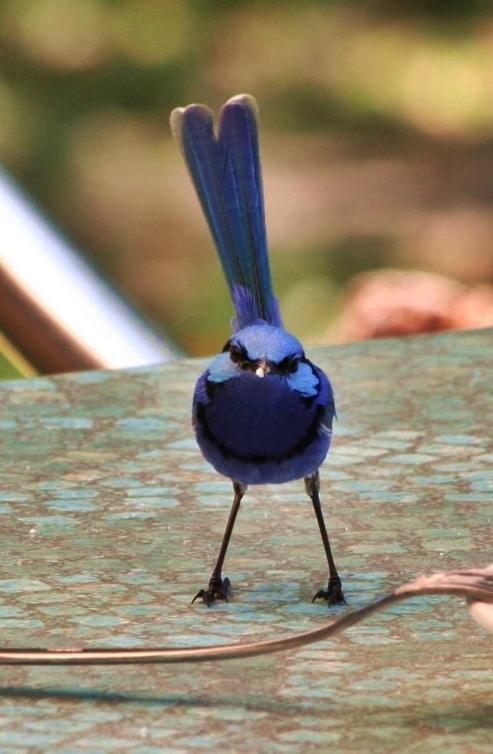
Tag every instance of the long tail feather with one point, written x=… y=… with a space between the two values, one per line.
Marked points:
x=227 y=177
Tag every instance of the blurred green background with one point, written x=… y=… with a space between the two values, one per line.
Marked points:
x=377 y=141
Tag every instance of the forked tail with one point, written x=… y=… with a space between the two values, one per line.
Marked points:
x=226 y=173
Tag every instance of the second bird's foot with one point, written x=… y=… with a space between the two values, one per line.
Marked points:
x=333 y=594
x=218 y=589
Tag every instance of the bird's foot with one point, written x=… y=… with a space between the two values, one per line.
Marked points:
x=333 y=594
x=218 y=589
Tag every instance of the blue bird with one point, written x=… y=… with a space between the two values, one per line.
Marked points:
x=262 y=411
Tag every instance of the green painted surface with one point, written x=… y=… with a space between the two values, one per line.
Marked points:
x=111 y=521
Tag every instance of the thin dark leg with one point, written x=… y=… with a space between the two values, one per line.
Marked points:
x=333 y=594
x=218 y=587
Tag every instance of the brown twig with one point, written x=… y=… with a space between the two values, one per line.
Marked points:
x=474 y=585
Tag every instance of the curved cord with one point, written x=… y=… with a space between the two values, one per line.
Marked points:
x=475 y=585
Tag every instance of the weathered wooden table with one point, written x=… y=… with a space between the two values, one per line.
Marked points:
x=111 y=521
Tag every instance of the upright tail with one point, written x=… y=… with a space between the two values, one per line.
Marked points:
x=226 y=174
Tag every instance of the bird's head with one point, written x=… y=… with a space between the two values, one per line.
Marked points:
x=264 y=349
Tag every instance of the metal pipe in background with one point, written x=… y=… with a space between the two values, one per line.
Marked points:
x=54 y=308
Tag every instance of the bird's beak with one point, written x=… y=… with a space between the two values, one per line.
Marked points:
x=262 y=369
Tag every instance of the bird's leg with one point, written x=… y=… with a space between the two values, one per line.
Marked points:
x=333 y=594
x=218 y=587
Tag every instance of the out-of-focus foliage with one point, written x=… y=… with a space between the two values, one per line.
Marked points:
x=7 y=370
x=377 y=136
x=12 y=364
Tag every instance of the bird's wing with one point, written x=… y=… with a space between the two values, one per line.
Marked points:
x=227 y=177
x=326 y=399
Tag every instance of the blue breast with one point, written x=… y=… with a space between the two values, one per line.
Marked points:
x=259 y=430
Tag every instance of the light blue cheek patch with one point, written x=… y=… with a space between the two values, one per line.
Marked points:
x=222 y=369
x=304 y=381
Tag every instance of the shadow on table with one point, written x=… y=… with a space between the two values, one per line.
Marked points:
x=460 y=717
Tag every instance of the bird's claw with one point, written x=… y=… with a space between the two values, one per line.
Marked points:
x=333 y=594
x=218 y=589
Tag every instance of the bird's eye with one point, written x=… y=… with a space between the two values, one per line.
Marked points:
x=289 y=364
x=236 y=353
x=292 y=364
